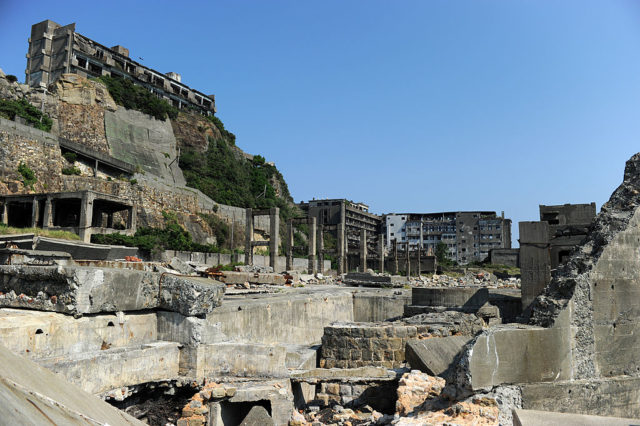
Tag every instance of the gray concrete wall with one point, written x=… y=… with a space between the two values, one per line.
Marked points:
x=615 y=287
x=118 y=367
x=468 y=298
x=46 y=334
x=142 y=140
x=290 y=318
x=379 y=305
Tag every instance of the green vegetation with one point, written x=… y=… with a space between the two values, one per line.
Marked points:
x=28 y=175
x=172 y=237
x=225 y=133
x=73 y=170
x=33 y=116
x=71 y=157
x=442 y=255
x=11 y=78
x=219 y=227
x=65 y=235
x=132 y=96
x=496 y=269
x=230 y=179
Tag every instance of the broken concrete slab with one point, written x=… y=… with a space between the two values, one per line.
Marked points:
x=233 y=359
x=33 y=393
x=542 y=418
x=319 y=374
x=119 y=367
x=87 y=290
x=182 y=267
x=358 y=279
x=435 y=356
x=85 y=251
x=13 y=256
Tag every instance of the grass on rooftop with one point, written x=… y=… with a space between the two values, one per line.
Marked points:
x=64 y=235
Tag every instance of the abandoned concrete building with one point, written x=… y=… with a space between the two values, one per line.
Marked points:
x=55 y=50
x=84 y=213
x=350 y=223
x=547 y=244
x=468 y=235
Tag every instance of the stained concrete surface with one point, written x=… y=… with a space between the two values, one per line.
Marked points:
x=435 y=356
x=547 y=418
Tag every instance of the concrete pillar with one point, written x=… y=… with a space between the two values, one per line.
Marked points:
x=248 y=248
x=109 y=219
x=418 y=265
x=5 y=212
x=394 y=247
x=274 y=237
x=133 y=218
x=320 y=248
x=289 y=256
x=47 y=220
x=363 y=250
x=312 y=246
x=341 y=249
x=95 y=169
x=408 y=259
x=535 y=260
x=35 y=213
x=86 y=214
x=381 y=253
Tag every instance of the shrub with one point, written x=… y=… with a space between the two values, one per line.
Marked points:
x=28 y=175
x=133 y=96
x=71 y=157
x=11 y=78
x=71 y=171
x=23 y=109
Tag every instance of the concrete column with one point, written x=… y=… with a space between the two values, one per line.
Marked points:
x=312 y=245
x=289 y=263
x=381 y=253
x=109 y=219
x=408 y=259
x=394 y=247
x=248 y=248
x=35 y=212
x=133 y=218
x=86 y=214
x=47 y=220
x=95 y=169
x=341 y=249
x=320 y=248
x=418 y=266
x=274 y=238
x=363 y=250
x=5 y=212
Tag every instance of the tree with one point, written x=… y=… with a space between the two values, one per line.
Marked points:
x=442 y=254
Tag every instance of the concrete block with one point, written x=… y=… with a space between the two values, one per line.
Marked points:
x=542 y=418
x=379 y=305
x=435 y=356
x=188 y=330
x=234 y=359
x=258 y=416
x=119 y=367
x=190 y=295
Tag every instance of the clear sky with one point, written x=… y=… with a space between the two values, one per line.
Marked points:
x=405 y=105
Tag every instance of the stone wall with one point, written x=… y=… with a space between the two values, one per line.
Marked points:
x=383 y=344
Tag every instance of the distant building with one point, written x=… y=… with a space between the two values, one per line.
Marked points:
x=355 y=217
x=55 y=50
x=468 y=235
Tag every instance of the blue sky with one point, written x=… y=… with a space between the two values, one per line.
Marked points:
x=404 y=105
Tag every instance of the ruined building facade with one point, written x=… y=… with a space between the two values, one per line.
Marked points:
x=55 y=50
x=468 y=235
x=547 y=244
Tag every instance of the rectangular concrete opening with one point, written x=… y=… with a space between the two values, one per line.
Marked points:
x=19 y=214
x=66 y=212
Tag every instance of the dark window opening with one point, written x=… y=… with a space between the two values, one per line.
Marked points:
x=95 y=68
x=551 y=218
x=82 y=63
x=110 y=324
x=66 y=212
x=19 y=214
x=39 y=331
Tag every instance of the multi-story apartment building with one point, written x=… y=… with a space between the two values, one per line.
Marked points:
x=468 y=235
x=55 y=49
x=355 y=216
